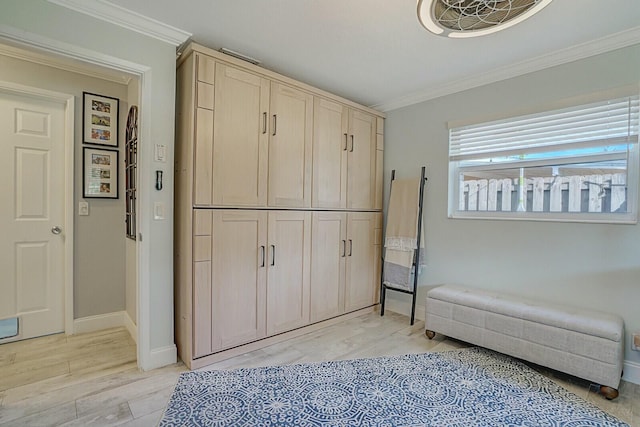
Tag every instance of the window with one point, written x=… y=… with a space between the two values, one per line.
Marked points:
x=573 y=164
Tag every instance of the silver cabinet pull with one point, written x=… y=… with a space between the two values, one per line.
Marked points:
x=351 y=151
x=346 y=141
x=56 y=230
x=262 y=251
x=264 y=122
x=350 y=247
x=275 y=122
x=273 y=255
x=344 y=249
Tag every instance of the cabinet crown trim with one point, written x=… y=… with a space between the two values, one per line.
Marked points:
x=221 y=57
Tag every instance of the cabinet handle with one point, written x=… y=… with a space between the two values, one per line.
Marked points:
x=262 y=250
x=273 y=255
x=264 y=122
x=351 y=151
x=344 y=249
x=350 y=247
x=275 y=121
x=346 y=141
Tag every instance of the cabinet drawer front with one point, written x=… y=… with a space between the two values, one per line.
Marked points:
x=203 y=152
x=205 y=96
x=206 y=67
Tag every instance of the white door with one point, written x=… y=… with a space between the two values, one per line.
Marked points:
x=32 y=200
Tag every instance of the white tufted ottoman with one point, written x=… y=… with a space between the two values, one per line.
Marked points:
x=584 y=343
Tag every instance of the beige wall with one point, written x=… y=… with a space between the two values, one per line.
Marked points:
x=99 y=242
x=596 y=266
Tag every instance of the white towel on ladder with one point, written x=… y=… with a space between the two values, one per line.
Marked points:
x=401 y=235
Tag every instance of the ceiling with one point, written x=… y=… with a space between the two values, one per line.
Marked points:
x=375 y=52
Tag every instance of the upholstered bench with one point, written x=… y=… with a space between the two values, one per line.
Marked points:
x=583 y=343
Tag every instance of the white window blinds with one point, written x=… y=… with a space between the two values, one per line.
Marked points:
x=605 y=123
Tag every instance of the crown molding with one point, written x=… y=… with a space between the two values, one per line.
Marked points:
x=37 y=43
x=605 y=44
x=65 y=64
x=114 y=14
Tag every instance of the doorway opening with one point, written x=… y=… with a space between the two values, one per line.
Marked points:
x=100 y=263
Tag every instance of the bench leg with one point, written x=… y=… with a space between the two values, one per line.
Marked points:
x=609 y=393
x=430 y=334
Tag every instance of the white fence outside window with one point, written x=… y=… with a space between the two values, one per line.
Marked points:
x=578 y=194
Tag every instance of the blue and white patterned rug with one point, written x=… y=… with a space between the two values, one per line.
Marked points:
x=470 y=387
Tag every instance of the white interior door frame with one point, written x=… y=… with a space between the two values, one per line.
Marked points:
x=65 y=50
x=68 y=101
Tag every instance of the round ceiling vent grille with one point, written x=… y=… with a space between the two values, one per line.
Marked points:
x=468 y=18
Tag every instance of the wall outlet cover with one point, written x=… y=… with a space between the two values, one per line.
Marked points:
x=635 y=342
x=83 y=208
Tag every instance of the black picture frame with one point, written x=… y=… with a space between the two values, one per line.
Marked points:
x=100 y=170
x=100 y=114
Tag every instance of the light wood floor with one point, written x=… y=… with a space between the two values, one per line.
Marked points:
x=92 y=379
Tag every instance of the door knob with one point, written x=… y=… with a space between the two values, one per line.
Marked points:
x=56 y=230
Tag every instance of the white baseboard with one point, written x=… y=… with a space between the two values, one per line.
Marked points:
x=160 y=357
x=403 y=307
x=131 y=327
x=631 y=372
x=105 y=321
x=98 y=323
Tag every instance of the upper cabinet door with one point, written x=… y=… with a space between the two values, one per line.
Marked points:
x=362 y=160
x=291 y=131
x=330 y=139
x=240 y=138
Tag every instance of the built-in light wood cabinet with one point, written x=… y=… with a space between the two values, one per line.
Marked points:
x=240 y=138
x=364 y=239
x=288 y=270
x=278 y=199
x=253 y=142
x=344 y=157
x=251 y=276
x=328 y=263
x=344 y=262
x=290 y=137
x=229 y=284
x=361 y=163
x=330 y=152
x=238 y=278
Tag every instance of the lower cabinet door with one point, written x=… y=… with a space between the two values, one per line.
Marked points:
x=288 y=267
x=260 y=273
x=328 y=260
x=238 y=271
x=364 y=231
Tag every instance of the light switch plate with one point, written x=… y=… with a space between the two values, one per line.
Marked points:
x=83 y=208
x=158 y=210
x=161 y=153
